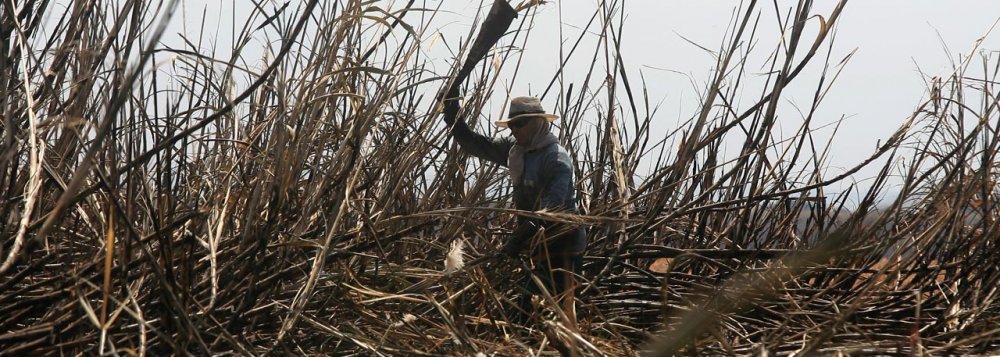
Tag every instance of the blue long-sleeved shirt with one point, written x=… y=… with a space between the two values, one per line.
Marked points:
x=547 y=180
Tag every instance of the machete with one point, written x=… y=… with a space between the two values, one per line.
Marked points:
x=496 y=24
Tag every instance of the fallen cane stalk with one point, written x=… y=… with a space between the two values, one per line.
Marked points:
x=429 y=282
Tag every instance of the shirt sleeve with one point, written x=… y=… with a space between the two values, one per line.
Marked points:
x=490 y=149
x=559 y=169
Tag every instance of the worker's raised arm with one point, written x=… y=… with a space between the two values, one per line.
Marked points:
x=491 y=149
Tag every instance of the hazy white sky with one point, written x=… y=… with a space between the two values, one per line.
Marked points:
x=878 y=89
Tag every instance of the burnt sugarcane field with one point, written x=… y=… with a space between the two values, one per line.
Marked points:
x=484 y=178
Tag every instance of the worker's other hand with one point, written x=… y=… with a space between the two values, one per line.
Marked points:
x=525 y=231
x=451 y=105
x=512 y=248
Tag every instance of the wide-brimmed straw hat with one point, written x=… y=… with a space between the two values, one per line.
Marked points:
x=525 y=107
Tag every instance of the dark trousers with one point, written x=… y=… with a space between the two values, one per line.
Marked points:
x=557 y=275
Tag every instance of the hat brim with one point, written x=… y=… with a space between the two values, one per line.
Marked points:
x=548 y=117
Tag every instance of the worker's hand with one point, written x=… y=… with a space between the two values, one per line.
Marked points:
x=525 y=231
x=451 y=105
x=512 y=248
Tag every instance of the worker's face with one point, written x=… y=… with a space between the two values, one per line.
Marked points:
x=521 y=129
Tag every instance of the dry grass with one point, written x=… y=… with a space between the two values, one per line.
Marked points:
x=161 y=200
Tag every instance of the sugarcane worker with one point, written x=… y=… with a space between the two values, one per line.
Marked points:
x=541 y=172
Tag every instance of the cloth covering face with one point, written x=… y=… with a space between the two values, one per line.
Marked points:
x=540 y=137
